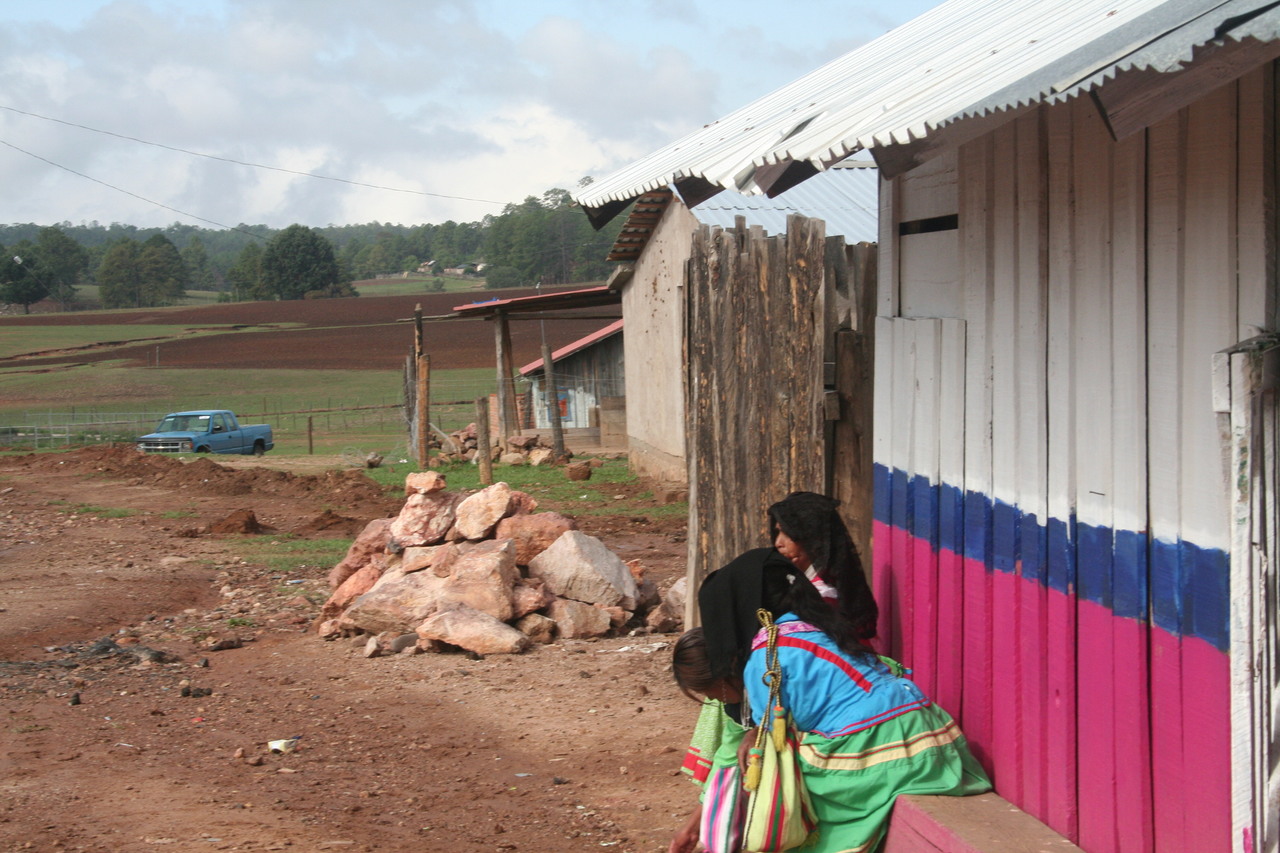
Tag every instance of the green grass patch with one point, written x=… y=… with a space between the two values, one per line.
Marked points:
x=551 y=487
x=241 y=622
x=21 y=340
x=284 y=554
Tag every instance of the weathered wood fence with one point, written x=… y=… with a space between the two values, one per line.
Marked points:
x=778 y=393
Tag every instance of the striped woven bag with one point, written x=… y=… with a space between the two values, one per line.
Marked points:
x=779 y=814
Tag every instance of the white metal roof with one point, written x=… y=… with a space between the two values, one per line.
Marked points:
x=962 y=59
x=846 y=198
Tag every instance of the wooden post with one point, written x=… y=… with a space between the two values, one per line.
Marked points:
x=551 y=399
x=483 y=446
x=506 y=387
x=311 y=444
x=422 y=387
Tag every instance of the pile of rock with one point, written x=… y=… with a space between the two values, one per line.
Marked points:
x=520 y=449
x=484 y=573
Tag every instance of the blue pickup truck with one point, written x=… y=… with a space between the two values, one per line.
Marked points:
x=206 y=431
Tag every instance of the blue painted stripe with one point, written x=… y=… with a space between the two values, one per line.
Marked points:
x=1181 y=587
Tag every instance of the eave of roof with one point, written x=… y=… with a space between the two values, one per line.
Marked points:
x=963 y=60
x=577 y=346
x=587 y=297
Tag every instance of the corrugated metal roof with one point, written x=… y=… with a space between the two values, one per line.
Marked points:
x=846 y=198
x=577 y=346
x=964 y=58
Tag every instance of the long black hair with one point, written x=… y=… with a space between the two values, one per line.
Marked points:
x=763 y=579
x=812 y=521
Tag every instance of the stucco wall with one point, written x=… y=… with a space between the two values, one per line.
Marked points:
x=653 y=305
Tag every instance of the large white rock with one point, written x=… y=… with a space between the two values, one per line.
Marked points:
x=474 y=631
x=580 y=567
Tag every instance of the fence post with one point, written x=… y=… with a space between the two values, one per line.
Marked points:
x=482 y=441
x=311 y=446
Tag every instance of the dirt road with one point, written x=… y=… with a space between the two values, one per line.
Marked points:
x=152 y=741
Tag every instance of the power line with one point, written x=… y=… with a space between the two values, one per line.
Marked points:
x=127 y=192
x=246 y=163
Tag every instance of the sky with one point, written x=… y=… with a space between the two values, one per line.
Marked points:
x=219 y=112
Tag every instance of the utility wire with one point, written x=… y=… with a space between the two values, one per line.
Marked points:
x=245 y=163
x=127 y=192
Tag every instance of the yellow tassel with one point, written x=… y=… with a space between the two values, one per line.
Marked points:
x=779 y=728
x=753 y=770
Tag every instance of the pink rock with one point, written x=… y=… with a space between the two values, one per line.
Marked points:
x=352 y=588
x=578 y=471
x=530 y=594
x=423 y=482
x=424 y=519
x=478 y=514
x=478 y=575
x=617 y=616
x=474 y=631
x=372 y=540
x=538 y=628
x=533 y=533
x=421 y=557
x=522 y=442
x=575 y=620
x=522 y=503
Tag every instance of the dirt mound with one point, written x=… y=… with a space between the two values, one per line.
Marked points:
x=332 y=524
x=349 y=488
x=240 y=521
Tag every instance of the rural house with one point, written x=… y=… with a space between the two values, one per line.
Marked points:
x=655 y=244
x=1075 y=412
x=589 y=384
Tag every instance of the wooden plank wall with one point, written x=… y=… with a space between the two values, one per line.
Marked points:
x=1055 y=571
x=756 y=334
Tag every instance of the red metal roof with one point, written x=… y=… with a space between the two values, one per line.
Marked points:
x=570 y=349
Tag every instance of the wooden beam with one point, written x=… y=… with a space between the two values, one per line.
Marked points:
x=506 y=384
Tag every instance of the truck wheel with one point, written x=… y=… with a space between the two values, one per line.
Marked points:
x=259 y=448
x=202 y=450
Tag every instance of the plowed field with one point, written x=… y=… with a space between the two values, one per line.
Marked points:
x=361 y=333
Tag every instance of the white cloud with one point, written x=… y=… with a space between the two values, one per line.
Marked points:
x=487 y=99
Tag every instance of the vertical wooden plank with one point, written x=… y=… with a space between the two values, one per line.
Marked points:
x=1031 y=449
x=1095 y=473
x=925 y=486
x=901 y=521
x=1129 y=593
x=975 y=170
x=883 y=580
x=1212 y=300
x=1166 y=280
x=1251 y=629
x=1060 y=535
x=853 y=464
x=949 y=683
x=506 y=370
x=1006 y=635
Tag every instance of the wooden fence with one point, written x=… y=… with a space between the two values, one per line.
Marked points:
x=778 y=394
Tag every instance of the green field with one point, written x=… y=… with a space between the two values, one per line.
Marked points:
x=345 y=410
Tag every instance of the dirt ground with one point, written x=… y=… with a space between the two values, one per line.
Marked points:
x=123 y=729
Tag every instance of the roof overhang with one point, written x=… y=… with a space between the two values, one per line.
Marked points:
x=951 y=75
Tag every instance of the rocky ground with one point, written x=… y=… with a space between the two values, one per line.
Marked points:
x=146 y=663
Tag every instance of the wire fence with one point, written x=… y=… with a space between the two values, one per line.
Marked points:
x=293 y=422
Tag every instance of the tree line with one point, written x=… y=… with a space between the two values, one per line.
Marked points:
x=545 y=239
